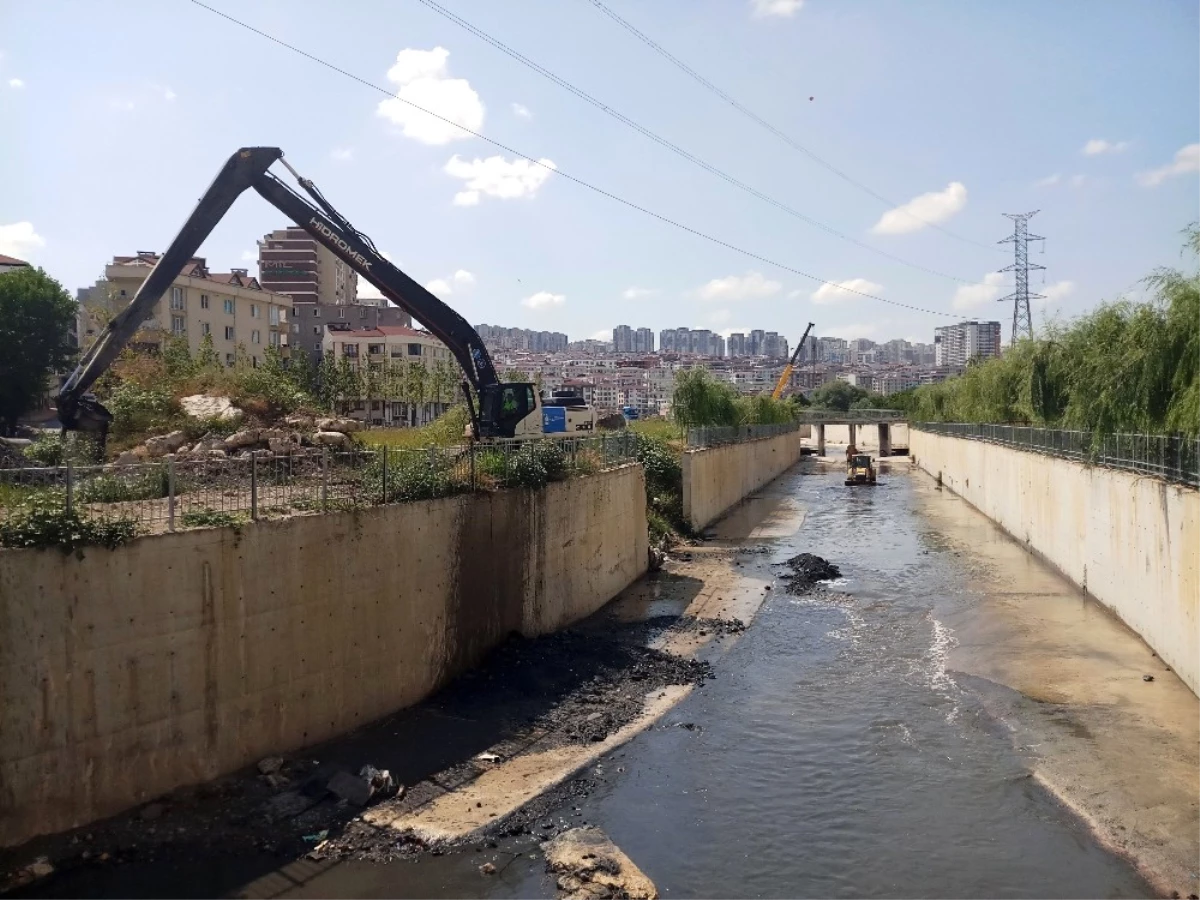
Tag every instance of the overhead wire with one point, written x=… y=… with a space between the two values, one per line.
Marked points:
x=783 y=136
x=436 y=7
x=572 y=178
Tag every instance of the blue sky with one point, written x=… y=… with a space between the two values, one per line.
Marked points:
x=117 y=116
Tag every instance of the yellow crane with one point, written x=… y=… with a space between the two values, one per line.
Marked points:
x=787 y=370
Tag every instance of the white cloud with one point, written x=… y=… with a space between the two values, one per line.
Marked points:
x=342 y=154
x=637 y=293
x=497 y=177
x=1078 y=181
x=763 y=8
x=16 y=83
x=839 y=291
x=1053 y=293
x=604 y=334
x=858 y=330
x=368 y=291
x=971 y=295
x=719 y=316
x=926 y=209
x=1097 y=146
x=1048 y=181
x=20 y=240
x=544 y=300
x=738 y=329
x=124 y=104
x=519 y=109
x=422 y=79
x=739 y=287
x=165 y=92
x=1187 y=159
x=444 y=287
x=250 y=256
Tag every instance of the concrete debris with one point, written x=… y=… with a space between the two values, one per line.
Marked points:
x=370 y=784
x=487 y=869
x=657 y=557
x=488 y=758
x=221 y=409
x=330 y=438
x=247 y=437
x=270 y=765
x=591 y=867
x=1147 y=678
x=164 y=444
x=346 y=426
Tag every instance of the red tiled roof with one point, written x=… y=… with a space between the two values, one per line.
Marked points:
x=11 y=261
x=402 y=331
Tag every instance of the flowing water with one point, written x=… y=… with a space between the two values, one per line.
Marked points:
x=835 y=754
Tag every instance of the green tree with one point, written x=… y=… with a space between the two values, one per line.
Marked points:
x=35 y=320
x=837 y=395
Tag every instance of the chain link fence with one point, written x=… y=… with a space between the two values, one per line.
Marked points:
x=170 y=494
x=1169 y=457
x=715 y=435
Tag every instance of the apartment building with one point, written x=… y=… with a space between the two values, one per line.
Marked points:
x=292 y=262
x=385 y=351
x=11 y=264
x=643 y=341
x=623 y=339
x=309 y=321
x=956 y=345
x=231 y=307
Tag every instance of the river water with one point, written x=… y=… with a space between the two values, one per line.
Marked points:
x=835 y=754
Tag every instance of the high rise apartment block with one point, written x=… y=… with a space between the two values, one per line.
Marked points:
x=956 y=345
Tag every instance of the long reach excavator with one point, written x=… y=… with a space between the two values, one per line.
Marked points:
x=504 y=410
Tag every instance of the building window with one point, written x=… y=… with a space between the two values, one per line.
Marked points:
x=275 y=339
x=341 y=313
x=205 y=328
x=176 y=298
x=254 y=310
x=359 y=405
x=178 y=325
x=376 y=405
x=362 y=313
x=349 y=349
x=256 y=336
x=316 y=312
x=229 y=359
x=375 y=349
x=414 y=349
x=204 y=301
x=254 y=362
x=122 y=293
x=316 y=329
x=273 y=315
x=229 y=307
x=295 y=328
x=229 y=332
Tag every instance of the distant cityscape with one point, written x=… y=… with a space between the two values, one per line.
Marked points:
x=305 y=302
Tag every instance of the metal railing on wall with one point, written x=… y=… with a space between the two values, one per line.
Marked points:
x=180 y=491
x=715 y=435
x=1170 y=457
x=818 y=416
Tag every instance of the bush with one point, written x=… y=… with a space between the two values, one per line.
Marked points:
x=137 y=410
x=411 y=476
x=44 y=521
x=209 y=518
x=145 y=484
x=47 y=450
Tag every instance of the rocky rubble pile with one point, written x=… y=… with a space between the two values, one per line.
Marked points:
x=297 y=432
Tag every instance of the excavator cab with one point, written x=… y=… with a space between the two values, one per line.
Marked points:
x=509 y=409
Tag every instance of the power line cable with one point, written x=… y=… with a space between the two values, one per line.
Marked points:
x=572 y=178
x=783 y=136
x=674 y=148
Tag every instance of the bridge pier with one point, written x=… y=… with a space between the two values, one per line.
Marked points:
x=820 y=438
x=885 y=439
x=851 y=430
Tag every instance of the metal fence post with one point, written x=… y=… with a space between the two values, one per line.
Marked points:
x=171 y=492
x=603 y=451
x=70 y=489
x=384 y=466
x=471 y=463
x=253 y=486
x=324 y=476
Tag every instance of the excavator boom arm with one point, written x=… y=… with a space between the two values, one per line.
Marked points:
x=788 y=369
x=248 y=168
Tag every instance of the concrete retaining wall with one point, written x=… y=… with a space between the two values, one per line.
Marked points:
x=717 y=478
x=1128 y=540
x=180 y=657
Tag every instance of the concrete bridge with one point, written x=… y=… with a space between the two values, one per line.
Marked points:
x=853 y=419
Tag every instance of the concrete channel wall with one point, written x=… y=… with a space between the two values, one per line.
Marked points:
x=717 y=478
x=1127 y=539
x=181 y=657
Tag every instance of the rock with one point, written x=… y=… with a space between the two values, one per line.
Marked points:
x=330 y=438
x=1147 y=678
x=590 y=865
x=39 y=868
x=247 y=437
x=488 y=757
x=344 y=425
x=487 y=869
x=217 y=453
x=283 y=444
x=270 y=765
x=130 y=457
x=166 y=443
x=351 y=789
x=152 y=811
x=200 y=406
x=299 y=421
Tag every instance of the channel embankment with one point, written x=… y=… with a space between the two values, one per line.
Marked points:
x=180 y=657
